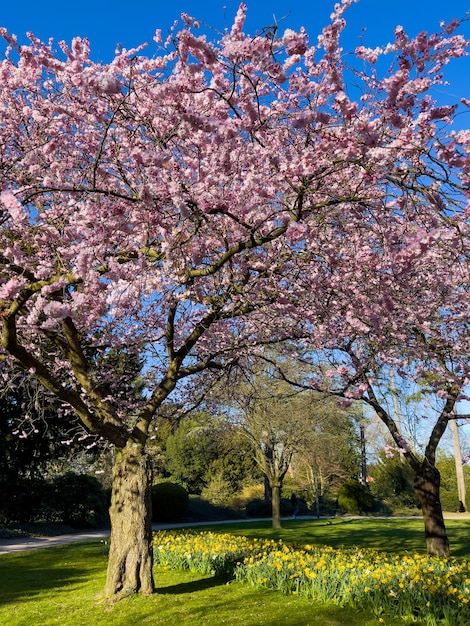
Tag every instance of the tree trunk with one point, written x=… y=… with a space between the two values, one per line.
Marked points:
x=427 y=481
x=131 y=552
x=461 y=490
x=276 y=505
x=268 y=494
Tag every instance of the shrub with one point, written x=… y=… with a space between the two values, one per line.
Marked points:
x=200 y=510
x=328 y=505
x=79 y=500
x=450 y=501
x=76 y=500
x=169 y=502
x=259 y=507
x=393 y=483
x=245 y=495
x=218 y=490
x=355 y=498
x=23 y=500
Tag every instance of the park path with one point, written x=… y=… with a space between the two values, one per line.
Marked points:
x=21 y=544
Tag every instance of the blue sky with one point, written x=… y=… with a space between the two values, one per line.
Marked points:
x=130 y=23
x=133 y=22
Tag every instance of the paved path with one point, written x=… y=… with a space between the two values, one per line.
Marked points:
x=20 y=544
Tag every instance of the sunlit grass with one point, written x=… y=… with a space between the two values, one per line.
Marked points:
x=409 y=586
x=398 y=535
x=61 y=586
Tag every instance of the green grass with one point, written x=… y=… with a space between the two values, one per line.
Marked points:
x=397 y=535
x=61 y=586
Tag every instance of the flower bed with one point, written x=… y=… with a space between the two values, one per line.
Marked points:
x=408 y=586
x=206 y=553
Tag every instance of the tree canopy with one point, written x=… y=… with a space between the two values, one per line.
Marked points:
x=192 y=205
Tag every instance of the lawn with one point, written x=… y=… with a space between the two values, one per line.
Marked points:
x=61 y=585
x=397 y=535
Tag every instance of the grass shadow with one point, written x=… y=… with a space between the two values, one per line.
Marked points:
x=26 y=575
x=191 y=586
x=399 y=535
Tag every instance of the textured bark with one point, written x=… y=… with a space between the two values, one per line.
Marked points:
x=276 y=505
x=427 y=483
x=131 y=552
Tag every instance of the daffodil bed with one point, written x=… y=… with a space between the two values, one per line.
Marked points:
x=433 y=590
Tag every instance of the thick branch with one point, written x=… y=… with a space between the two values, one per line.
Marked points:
x=50 y=382
x=441 y=425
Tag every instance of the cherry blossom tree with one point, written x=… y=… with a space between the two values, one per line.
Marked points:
x=394 y=281
x=383 y=283
x=358 y=369
x=158 y=207
x=397 y=299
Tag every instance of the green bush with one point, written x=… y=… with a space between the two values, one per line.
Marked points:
x=79 y=500
x=200 y=510
x=23 y=500
x=169 y=502
x=450 y=501
x=76 y=500
x=393 y=483
x=355 y=498
x=328 y=505
x=218 y=490
x=259 y=507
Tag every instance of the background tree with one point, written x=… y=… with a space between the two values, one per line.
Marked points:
x=282 y=423
x=233 y=470
x=32 y=433
x=157 y=205
x=190 y=451
x=205 y=450
x=36 y=440
x=449 y=484
x=329 y=452
x=393 y=482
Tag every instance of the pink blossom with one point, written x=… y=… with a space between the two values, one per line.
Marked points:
x=239 y=20
x=369 y=54
x=295 y=232
x=295 y=43
x=450 y=27
x=104 y=84
x=13 y=206
x=57 y=310
x=10 y=289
